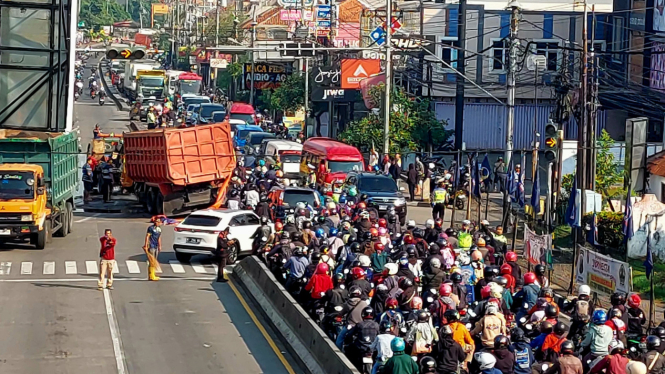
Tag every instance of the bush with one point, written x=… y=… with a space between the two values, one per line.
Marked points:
x=610 y=231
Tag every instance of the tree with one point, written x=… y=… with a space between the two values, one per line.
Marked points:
x=290 y=95
x=607 y=170
x=97 y=13
x=413 y=125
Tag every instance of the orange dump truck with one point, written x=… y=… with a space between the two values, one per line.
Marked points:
x=178 y=170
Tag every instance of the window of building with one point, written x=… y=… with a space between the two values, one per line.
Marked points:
x=617 y=38
x=499 y=55
x=549 y=49
x=447 y=52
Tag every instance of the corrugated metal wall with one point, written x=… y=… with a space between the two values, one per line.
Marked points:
x=485 y=124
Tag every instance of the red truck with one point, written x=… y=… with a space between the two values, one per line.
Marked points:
x=178 y=170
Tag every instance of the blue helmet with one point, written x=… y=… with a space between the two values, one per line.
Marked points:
x=334 y=232
x=376 y=168
x=599 y=317
x=397 y=345
x=262 y=163
x=342 y=199
x=319 y=233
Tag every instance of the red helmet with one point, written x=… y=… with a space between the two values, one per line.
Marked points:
x=322 y=268
x=529 y=278
x=358 y=273
x=634 y=301
x=383 y=222
x=374 y=232
x=511 y=256
x=445 y=289
x=279 y=226
x=391 y=303
x=416 y=303
x=362 y=206
x=379 y=247
x=485 y=292
x=506 y=269
x=408 y=239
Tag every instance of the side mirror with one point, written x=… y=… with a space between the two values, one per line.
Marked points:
x=41 y=182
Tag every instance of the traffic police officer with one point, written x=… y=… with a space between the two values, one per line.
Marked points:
x=439 y=200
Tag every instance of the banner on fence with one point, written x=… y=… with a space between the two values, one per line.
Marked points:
x=602 y=273
x=536 y=247
x=647 y=209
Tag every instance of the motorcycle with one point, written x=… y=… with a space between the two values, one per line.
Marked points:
x=135 y=111
x=76 y=96
x=333 y=322
x=93 y=94
x=637 y=346
x=101 y=100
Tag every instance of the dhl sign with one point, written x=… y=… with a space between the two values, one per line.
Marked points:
x=408 y=43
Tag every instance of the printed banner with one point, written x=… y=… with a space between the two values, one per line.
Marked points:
x=536 y=247
x=648 y=206
x=602 y=273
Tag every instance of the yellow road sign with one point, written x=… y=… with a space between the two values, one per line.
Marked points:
x=126 y=53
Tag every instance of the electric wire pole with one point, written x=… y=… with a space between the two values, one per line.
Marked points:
x=512 y=69
x=389 y=67
x=582 y=126
x=251 y=89
x=459 y=85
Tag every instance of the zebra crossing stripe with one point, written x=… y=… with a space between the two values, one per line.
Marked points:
x=26 y=268
x=70 y=267
x=133 y=267
x=5 y=268
x=116 y=268
x=49 y=268
x=176 y=267
x=91 y=267
x=198 y=268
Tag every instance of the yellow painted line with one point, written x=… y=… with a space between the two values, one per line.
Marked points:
x=261 y=328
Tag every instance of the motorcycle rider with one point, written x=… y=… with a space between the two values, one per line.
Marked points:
x=359 y=279
x=361 y=337
x=526 y=298
x=490 y=325
x=541 y=278
x=521 y=349
x=443 y=304
x=505 y=359
x=338 y=295
x=261 y=236
x=551 y=347
x=381 y=345
x=296 y=266
x=614 y=363
x=636 y=316
x=579 y=309
x=352 y=311
x=448 y=353
x=597 y=339
x=459 y=290
x=617 y=325
x=567 y=363
x=484 y=362
x=654 y=361
x=400 y=363
x=320 y=283
x=618 y=301
x=511 y=259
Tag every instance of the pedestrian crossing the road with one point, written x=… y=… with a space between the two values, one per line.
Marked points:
x=128 y=268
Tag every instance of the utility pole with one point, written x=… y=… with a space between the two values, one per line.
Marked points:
x=593 y=104
x=459 y=85
x=512 y=69
x=306 y=61
x=217 y=28
x=582 y=126
x=389 y=76
x=251 y=89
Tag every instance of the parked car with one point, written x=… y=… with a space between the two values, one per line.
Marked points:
x=204 y=113
x=382 y=191
x=197 y=234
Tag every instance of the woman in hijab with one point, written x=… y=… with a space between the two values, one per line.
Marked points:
x=412 y=181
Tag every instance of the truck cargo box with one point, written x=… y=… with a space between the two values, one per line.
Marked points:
x=180 y=156
x=56 y=153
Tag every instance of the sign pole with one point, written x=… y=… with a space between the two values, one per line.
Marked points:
x=251 y=89
x=389 y=58
x=306 y=61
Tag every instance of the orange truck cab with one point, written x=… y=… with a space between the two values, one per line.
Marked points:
x=331 y=160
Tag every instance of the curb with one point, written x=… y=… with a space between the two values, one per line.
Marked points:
x=110 y=93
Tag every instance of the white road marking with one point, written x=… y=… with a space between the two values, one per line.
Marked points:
x=70 y=267
x=115 y=333
x=91 y=267
x=5 y=268
x=26 y=268
x=214 y=266
x=133 y=267
x=87 y=218
x=56 y=280
x=176 y=266
x=116 y=268
x=198 y=268
x=49 y=268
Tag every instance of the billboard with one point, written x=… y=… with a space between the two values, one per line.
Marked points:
x=602 y=273
x=266 y=76
x=355 y=70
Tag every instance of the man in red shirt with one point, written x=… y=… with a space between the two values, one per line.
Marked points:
x=107 y=260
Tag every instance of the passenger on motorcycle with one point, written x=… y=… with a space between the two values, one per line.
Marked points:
x=636 y=316
x=614 y=363
x=505 y=359
x=597 y=339
x=520 y=347
x=567 y=363
x=360 y=338
x=381 y=345
x=490 y=325
x=654 y=360
x=448 y=352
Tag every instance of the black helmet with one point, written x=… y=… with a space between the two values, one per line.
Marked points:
x=423 y=316
x=451 y=232
x=386 y=326
x=427 y=363
x=490 y=272
x=434 y=249
x=367 y=235
x=560 y=328
x=456 y=278
x=501 y=281
x=418 y=233
x=364 y=197
x=659 y=332
x=545 y=327
x=367 y=313
x=354 y=247
x=618 y=298
x=321 y=219
x=442 y=242
x=234 y=193
x=306 y=225
x=392 y=218
x=316 y=257
x=539 y=270
x=299 y=251
x=653 y=342
x=451 y=315
x=411 y=250
x=355 y=291
x=286 y=235
x=405 y=282
x=567 y=347
x=518 y=335
x=501 y=341
x=339 y=278
x=551 y=311
x=546 y=292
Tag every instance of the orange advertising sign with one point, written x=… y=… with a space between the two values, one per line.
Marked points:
x=160 y=9
x=355 y=70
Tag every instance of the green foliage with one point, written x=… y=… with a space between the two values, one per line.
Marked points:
x=290 y=95
x=610 y=233
x=607 y=170
x=141 y=8
x=413 y=125
x=97 y=13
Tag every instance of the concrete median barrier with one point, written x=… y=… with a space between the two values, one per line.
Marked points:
x=317 y=352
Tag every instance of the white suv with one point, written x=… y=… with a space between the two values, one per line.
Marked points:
x=197 y=234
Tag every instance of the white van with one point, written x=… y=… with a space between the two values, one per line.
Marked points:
x=289 y=155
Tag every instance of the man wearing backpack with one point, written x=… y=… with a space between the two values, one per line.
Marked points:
x=441 y=305
x=579 y=310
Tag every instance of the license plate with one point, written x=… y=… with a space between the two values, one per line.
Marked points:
x=193 y=240
x=643 y=345
x=383 y=207
x=367 y=360
x=5 y=232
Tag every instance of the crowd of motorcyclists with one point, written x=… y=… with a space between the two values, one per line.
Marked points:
x=406 y=300
x=96 y=89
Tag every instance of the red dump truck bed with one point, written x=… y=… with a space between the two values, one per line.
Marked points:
x=180 y=156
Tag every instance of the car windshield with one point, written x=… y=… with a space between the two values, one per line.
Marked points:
x=247 y=118
x=206 y=110
x=152 y=81
x=243 y=133
x=16 y=185
x=377 y=184
x=290 y=159
x=218 y=116
x=295 y=196
x=190 y=86
x=196 y=100
x=191 y=107
x=344 y=166
x=256 y=139
x=201 y=220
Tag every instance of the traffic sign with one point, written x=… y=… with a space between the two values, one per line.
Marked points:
x=378 y=35
x=126 y=53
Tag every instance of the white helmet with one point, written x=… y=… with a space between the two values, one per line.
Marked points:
x=429 y=223
x=411 y=223
x=331 y=205
x=485 y=360
x=431 y=165
x=615 y=344
x=300 y=205
x=392 y=268
x=435 y=263
x=584 y=290
x=491 y=309
x=636 y=367
x=496 y=290
x=290 y=219
x=364 y=261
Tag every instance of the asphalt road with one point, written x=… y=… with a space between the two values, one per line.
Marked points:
x=55 y=320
